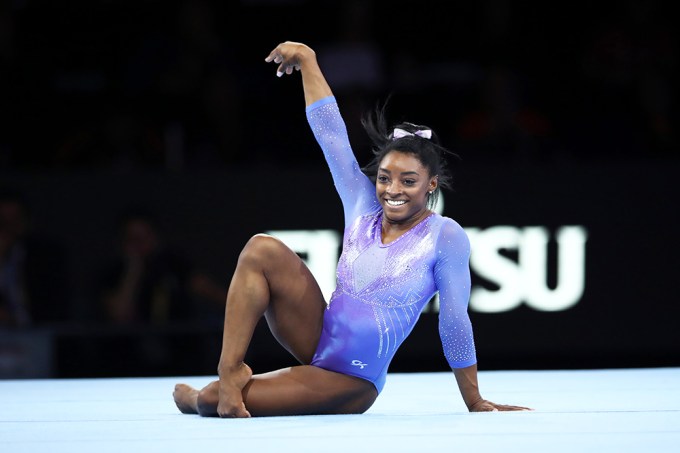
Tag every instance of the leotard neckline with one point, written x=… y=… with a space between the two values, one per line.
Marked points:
x=377 y=232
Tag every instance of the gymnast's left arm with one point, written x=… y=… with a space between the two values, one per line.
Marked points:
x=452 y=278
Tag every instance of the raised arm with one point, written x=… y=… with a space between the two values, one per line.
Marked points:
x=356 y=190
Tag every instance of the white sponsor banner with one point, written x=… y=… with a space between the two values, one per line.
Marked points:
x=520 y=280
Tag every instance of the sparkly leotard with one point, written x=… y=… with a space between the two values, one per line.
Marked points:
x=382 y=288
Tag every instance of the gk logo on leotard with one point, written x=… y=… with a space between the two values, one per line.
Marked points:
x=359 y=363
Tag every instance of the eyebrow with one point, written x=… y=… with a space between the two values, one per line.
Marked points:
x=403 y=172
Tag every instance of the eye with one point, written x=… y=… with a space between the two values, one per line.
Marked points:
x=409 y=182
x=382 y=179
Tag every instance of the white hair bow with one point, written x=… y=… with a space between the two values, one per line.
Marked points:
x=399 y=133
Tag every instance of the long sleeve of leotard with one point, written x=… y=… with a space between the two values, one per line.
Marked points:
x=452 y=279
x=356 y=190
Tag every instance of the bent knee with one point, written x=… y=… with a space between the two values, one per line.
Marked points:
x=261 y=248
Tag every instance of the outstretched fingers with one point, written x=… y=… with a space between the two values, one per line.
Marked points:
x=506 y=407
x=488 y=406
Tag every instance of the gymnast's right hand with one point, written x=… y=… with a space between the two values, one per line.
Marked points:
x=290 y=56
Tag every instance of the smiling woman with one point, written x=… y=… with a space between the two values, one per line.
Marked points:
x=403 y=187
x=397 y=254
x=416 y=141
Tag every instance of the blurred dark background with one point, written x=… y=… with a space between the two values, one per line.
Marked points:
x=143 y=142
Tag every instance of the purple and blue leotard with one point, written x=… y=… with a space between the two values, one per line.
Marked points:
x=382 y=288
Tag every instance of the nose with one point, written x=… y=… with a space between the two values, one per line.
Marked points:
x=393 y=188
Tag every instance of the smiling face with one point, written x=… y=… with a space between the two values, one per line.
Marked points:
x=402 y=186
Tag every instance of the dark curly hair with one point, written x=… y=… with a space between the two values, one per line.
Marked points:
x=431 y=154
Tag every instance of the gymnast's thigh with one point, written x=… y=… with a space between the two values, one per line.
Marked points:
x=296 y=305
x=305 y=390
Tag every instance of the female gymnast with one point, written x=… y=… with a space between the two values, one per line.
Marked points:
x=396 y=255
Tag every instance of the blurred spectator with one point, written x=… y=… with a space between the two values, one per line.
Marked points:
x=150 y=297
x=34 y=287
x=150 y=282
x=504 y=125
x=629 y=68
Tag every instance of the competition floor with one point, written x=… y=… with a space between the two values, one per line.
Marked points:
x=575 y=411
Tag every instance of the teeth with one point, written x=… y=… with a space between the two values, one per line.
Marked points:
x=395 y=202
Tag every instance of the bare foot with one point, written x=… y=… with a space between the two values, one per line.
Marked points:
x=231 y=386
x=185 y=398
